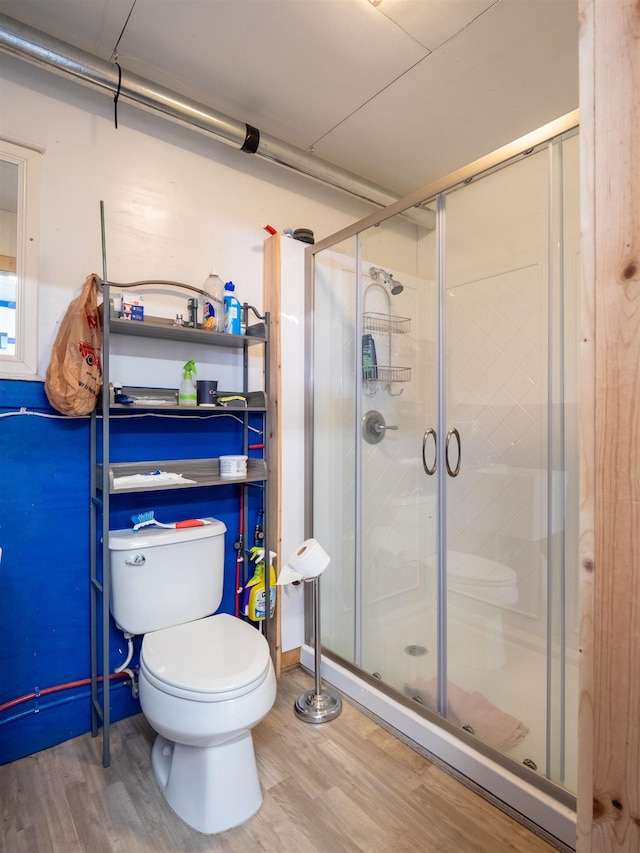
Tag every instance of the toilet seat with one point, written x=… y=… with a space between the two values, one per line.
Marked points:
x=210 y=660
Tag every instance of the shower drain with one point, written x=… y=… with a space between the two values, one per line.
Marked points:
x=416 y=651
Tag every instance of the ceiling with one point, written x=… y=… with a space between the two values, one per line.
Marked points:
x=401 y=93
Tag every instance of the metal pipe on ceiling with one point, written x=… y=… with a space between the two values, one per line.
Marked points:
x=38 y=48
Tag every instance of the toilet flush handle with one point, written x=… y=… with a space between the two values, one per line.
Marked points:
x=138 y=560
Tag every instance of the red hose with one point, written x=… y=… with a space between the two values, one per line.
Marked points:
x=46 y=690
x=239 y=554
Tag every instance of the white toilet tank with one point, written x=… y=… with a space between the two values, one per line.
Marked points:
x=162 y=577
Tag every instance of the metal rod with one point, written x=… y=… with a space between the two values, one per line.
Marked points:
x=155 y=282
x=316 y=639
x=106 y=568
x=45 y=51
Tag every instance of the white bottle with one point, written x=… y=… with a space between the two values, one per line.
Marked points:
x=213 y=303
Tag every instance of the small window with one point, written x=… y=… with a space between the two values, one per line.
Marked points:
x=19 y=247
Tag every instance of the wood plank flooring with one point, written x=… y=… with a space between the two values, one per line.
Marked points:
x=342 y=787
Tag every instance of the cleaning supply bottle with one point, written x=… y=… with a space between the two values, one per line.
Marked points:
x=213 y=303
x=255 y=600
x=232 y=310
x=187 y=394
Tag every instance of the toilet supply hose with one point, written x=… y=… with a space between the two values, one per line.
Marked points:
x=124 y=667
x=45 y=691
x=239 y=549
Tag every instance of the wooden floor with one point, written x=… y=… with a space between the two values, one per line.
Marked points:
x=347 y=785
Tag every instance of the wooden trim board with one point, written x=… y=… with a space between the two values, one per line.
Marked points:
x=272 y=303
x=609 y=722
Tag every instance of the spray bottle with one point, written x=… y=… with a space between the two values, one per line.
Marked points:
x=187 y=394
x=254 y=596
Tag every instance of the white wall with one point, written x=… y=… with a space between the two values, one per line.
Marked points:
x=177 y=204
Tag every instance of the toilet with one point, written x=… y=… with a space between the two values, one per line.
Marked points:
x=205 y=680
x=491 y=586
x=481 y=578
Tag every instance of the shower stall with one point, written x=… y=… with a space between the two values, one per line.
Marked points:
x=444 y=468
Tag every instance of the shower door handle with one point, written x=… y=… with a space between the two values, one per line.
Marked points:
x=430 y=470
x=455 y=471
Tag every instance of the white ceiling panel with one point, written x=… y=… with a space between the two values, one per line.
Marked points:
x=292 y=69
x=433 y=22
x=401 y=93
x=92 y=25
x=459 y=103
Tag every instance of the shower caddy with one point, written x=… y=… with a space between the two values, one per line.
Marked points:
x=205 y=472
x=385 y=375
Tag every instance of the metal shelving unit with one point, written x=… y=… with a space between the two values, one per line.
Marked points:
x=205 y=472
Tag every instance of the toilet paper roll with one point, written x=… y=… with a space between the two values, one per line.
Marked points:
x=310 y=559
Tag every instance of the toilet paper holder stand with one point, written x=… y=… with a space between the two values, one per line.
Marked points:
x=307 y=564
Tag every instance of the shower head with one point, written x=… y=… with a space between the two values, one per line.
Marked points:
x=379 y=275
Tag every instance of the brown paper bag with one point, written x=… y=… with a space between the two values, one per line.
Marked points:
x=74 y=376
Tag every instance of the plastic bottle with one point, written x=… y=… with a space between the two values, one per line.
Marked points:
x=254 y=604
x=187 y=393
x=192 y=313
x=369 y=359
x=213 y=303
x=232 y=310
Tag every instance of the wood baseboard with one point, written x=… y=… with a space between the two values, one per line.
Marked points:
x=289 y=659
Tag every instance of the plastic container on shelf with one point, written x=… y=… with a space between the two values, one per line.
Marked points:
x=232 y=310
x=233 y=466
x=213 y=303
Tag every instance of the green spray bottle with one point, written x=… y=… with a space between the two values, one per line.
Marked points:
x=187 y=394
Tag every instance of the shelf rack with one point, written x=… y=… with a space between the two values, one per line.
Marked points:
x=390 y=325
x=205 y=472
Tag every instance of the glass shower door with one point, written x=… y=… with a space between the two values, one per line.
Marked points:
x=398 y=634
x=505 y=502
x=445 y=455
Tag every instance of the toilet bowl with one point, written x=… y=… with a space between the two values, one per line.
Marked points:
x=481 y=578
x=205 y=680
x=203 y=707
x=482 y=588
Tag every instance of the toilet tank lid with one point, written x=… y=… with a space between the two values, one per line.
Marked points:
x=149 y=537
x=478 y=571
x=217 y=654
